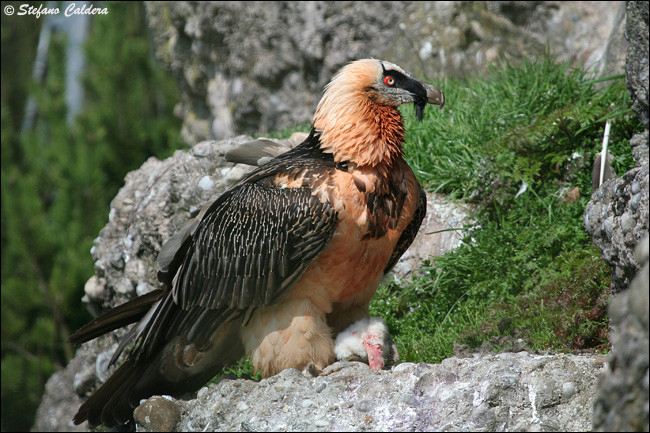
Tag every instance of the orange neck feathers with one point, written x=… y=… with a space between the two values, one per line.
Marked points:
x=355 y=126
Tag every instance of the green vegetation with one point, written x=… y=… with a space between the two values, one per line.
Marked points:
x=58 y=181
x=527 y=269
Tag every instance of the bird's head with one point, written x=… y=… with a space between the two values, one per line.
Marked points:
x=358 y=116
x=392 y=86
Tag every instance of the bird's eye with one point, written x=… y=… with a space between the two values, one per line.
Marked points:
x=389 y=81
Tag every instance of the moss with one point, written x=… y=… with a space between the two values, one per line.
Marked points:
x=565 y=311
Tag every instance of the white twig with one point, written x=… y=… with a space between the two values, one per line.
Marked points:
x=603 y=153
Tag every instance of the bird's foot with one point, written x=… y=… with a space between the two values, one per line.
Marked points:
x=355 y=358
x=312 y=370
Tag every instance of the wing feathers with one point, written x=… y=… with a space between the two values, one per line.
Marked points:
x=257 y=231
x=248 y=248
x=122 y=315
x=243 y=251
x=409 y=233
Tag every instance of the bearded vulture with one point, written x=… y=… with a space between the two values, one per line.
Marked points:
x=282 y=262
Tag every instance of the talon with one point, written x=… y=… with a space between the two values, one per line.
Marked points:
x=355 y=358
x=312 y=370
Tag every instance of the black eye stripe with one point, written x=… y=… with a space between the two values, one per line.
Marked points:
x=400 y=79
x=403 y=81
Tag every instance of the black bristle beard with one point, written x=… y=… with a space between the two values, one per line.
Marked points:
x=419 y=110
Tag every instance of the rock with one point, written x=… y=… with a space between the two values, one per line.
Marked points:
x=506 y=392
x=93 y=289
x=622 y=400
x=639 y=144
x=85 y=380
x=637 y=57
x=617 y=219
x=157 y=414
x=258 y=67
x=441 y=232
x=60 y=403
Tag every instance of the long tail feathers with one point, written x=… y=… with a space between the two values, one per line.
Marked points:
x=163 y=370
x=97 y=410
x=122 y=315
x=114 y=401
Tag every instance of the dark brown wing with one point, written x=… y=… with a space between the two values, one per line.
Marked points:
x=407 y=236
x=248 y=249
x=243 y=252
x=252 y=246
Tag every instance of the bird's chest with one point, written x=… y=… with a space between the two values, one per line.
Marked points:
x=373 y=210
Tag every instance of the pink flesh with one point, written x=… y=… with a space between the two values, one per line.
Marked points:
x=375 y=357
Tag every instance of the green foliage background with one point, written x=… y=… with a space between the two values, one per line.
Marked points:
x=58 y=181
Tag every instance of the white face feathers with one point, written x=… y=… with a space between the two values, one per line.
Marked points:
x=368 y=340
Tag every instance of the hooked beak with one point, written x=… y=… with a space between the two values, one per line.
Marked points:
x=434 y=95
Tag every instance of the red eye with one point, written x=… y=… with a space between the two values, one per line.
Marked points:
x=389 y=81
